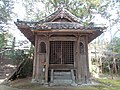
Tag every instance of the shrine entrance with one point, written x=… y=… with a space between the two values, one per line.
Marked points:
x=61 y=52
x=61 y=62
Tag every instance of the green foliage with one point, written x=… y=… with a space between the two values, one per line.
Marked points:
x=2 y=41
x=17 y=56
x=115 y=45
x=28 y=66
x=110 y=81
x=27 y=69
x=33 y=12
x=80 y=8
x=4 y=38
x=114 y=56
x=6 y=7
x=116 y=41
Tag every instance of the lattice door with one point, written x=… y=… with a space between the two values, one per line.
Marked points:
x=61 y=52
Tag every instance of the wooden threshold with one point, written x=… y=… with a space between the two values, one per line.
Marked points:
x=61 y=66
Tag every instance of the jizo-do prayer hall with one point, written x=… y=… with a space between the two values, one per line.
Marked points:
x=60 y=48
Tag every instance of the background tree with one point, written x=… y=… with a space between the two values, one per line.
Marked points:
x=81 y=8
x=114 y=48
x=116 y=42
x=5 y=10
x=112 y=15
x=6 y=7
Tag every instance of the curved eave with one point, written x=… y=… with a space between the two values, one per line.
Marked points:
x=92 y=34
x=26 y=30
x=95 y=35
x=65 y=31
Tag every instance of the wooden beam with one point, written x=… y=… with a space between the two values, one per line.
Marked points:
x=65 y=31
x=62 y=39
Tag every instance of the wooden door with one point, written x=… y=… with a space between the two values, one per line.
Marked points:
x=61 y=52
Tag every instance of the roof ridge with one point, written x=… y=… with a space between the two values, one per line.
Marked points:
x=62 y=11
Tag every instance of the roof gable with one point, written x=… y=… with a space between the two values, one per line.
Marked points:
x=62 y=15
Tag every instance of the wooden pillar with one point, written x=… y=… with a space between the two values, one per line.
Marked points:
x=73 y=77
x=38 y=64
x=52 y=71
x=78 y=60
x=87 y=60
x=35 y=61
x=47 y=60
x=82 y=60
x=42 y=61
x=83 y=57
x=75 y=54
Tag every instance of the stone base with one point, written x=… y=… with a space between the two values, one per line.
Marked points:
x=62 y=83
x=41 y=82
x=38 y=81
x=74 y=84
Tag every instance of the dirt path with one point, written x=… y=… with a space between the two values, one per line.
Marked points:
x=4 y=87
x=1 y=80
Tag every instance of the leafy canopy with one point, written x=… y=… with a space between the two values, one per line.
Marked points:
x=115 y=45
x=6 y=7
x=80 y=8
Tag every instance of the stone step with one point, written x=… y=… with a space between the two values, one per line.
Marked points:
x=62 y=75
x=62 y=82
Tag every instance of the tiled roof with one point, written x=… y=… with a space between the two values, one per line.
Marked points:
x=61 y=20
x=50 y=22
x=56 y=25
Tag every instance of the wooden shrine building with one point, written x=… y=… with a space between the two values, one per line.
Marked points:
x=60 y=47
